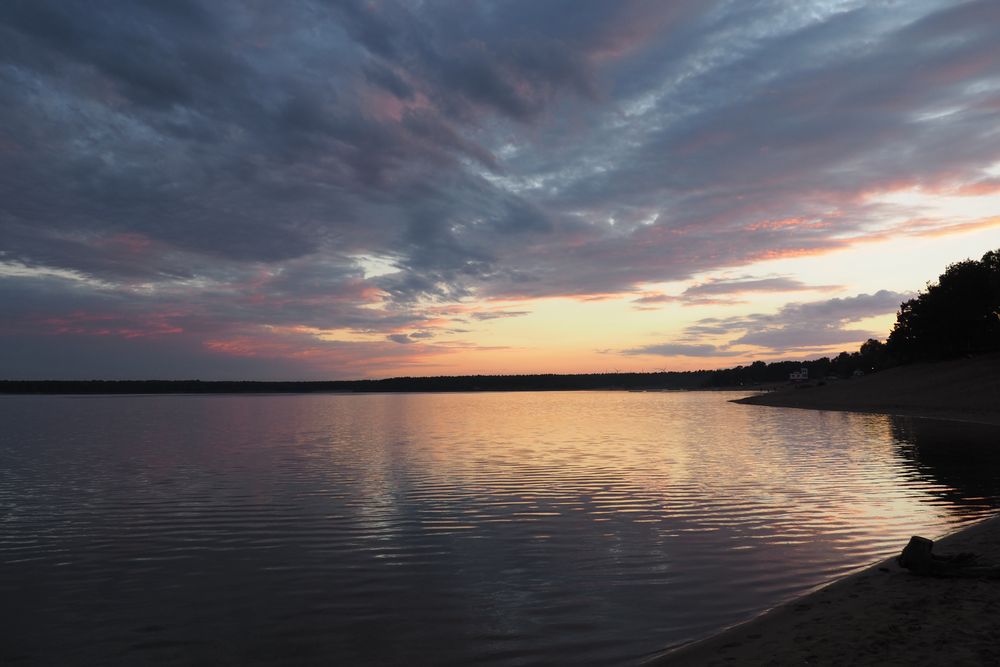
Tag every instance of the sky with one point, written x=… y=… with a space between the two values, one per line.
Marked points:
x=368 y=188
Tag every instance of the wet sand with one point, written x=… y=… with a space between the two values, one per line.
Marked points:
x=883 y=615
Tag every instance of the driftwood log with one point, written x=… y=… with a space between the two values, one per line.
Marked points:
x=918 y=558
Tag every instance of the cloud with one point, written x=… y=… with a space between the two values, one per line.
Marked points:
x=749 y=284
x=497 y=314
x=817 y=324
x=654 y=298
x=710 y=291
x=413 y=337
x=681 y=350
x=227 y=164
x=715 y=290
x=793 y=328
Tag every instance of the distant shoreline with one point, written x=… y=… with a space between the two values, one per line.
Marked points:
x=666 y=381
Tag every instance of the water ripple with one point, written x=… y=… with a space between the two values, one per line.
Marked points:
x=503 y=529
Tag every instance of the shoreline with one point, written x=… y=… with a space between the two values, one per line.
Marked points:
x=965 y=390
x=882 y=614
x=879 y=615
x=948 y=416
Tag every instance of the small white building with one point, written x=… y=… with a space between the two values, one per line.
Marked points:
x=800 y=375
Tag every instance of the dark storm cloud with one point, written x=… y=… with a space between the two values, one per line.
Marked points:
x=233 y=162
x=512 y=58
x=769 y=152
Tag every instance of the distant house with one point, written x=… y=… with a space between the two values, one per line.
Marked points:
x=800 y=375
x=858 y=372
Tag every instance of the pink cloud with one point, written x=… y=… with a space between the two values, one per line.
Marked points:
x=98 y=324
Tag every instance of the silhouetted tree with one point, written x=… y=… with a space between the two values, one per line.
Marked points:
x=757 y=371
x=874 y=356
x=958 y=315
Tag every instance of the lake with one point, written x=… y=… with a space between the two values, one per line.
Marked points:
x=443 y=529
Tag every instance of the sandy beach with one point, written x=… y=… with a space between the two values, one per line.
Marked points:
x=884 y=615
x=964 y=390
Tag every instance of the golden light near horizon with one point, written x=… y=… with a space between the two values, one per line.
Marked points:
x=574 y=335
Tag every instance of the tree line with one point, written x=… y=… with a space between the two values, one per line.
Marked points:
x=539 y=382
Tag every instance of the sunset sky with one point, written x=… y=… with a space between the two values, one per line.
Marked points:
x=367 y=188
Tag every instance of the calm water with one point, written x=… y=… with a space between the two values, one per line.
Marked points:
x=507 y=529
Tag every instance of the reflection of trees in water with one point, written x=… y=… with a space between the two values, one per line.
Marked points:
x=961 y=456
